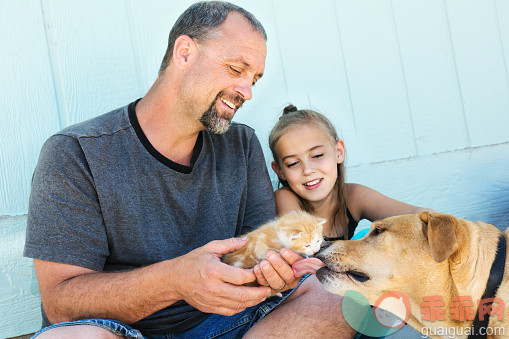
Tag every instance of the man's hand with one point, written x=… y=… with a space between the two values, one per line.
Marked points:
x=211 y=286
x=276 y=272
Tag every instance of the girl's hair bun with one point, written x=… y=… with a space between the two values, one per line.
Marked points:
x=290 y=108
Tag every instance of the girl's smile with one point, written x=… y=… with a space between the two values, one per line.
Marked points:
x=311 y=185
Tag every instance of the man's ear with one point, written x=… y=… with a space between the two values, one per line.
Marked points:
x=340 y=151
x=184 y=48
x=277 y=169
x=441 y=231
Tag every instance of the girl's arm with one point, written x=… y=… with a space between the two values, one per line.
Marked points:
x=286 y=201
x=366 y=203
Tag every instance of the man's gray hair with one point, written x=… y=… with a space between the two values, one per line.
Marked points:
x=200 y=21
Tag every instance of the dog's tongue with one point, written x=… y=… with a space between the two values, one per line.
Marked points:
x=308 y=265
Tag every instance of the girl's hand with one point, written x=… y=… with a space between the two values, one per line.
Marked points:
x=276 y=271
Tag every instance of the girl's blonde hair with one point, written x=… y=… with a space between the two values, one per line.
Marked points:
x=293 y=117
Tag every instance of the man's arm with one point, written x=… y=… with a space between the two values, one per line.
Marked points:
x=71 y=292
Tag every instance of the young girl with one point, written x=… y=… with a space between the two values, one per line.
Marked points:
x=308 y=160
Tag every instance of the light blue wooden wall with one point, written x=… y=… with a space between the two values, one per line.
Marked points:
x=418 y=89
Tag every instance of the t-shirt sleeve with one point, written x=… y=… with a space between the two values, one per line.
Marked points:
x=64 y=222
x=260 y=206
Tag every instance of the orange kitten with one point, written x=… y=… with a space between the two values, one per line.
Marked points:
x=298 y=231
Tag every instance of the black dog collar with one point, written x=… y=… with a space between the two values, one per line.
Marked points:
x=494 y=281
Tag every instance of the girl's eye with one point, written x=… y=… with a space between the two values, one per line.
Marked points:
x=292 y=164
x=318 y=155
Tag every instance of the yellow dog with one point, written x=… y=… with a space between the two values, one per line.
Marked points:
x=426 y=256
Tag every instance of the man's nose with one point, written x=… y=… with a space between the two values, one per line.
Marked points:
x=244 y=89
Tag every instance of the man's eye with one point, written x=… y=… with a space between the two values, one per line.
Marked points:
x=235 y=70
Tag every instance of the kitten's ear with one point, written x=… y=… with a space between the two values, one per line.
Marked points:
x=295 y=235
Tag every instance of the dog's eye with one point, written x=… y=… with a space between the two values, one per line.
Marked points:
x=378 y=231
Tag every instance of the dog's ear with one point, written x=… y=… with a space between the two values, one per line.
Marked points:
x=440 y=229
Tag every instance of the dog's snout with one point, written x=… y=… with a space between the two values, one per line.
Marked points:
x=323 y=246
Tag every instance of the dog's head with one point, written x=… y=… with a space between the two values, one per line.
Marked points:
x=398 y=253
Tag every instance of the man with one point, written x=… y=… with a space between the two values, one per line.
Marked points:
x=126 y=209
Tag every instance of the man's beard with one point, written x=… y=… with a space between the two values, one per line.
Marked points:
x=213 y=122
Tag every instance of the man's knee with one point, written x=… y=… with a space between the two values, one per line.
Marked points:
x=311 y=288
x=78 y=332
x=310 y=311
x=323 y=298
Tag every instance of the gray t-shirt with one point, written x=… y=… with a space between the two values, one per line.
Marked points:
x=103 y=198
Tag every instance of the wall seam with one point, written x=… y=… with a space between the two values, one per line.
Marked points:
x=501 y=41
x=354 y=122
x=56 y=72
x=279 y=48
x=403 y=73
x=10 y=216
x=469 y=148
x=463 y=110
x=135 y=46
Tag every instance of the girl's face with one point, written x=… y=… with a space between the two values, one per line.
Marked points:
x=308 y=162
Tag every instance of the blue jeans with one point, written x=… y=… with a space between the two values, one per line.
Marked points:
x=215 y=326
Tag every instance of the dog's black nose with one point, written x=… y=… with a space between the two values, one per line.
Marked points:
x=323 y=246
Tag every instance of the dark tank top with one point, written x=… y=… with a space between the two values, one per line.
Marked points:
x=352 y=225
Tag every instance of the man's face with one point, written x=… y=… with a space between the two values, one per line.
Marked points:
x=226 y=69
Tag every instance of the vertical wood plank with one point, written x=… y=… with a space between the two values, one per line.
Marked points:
x=29 y=113
x=269 y=94
x=314 y=66
x=502 y=9
x=377 y=84
x=430 y=73
x=93 y=55
x=151 y=26
x=20 y=302
x=481 y=70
